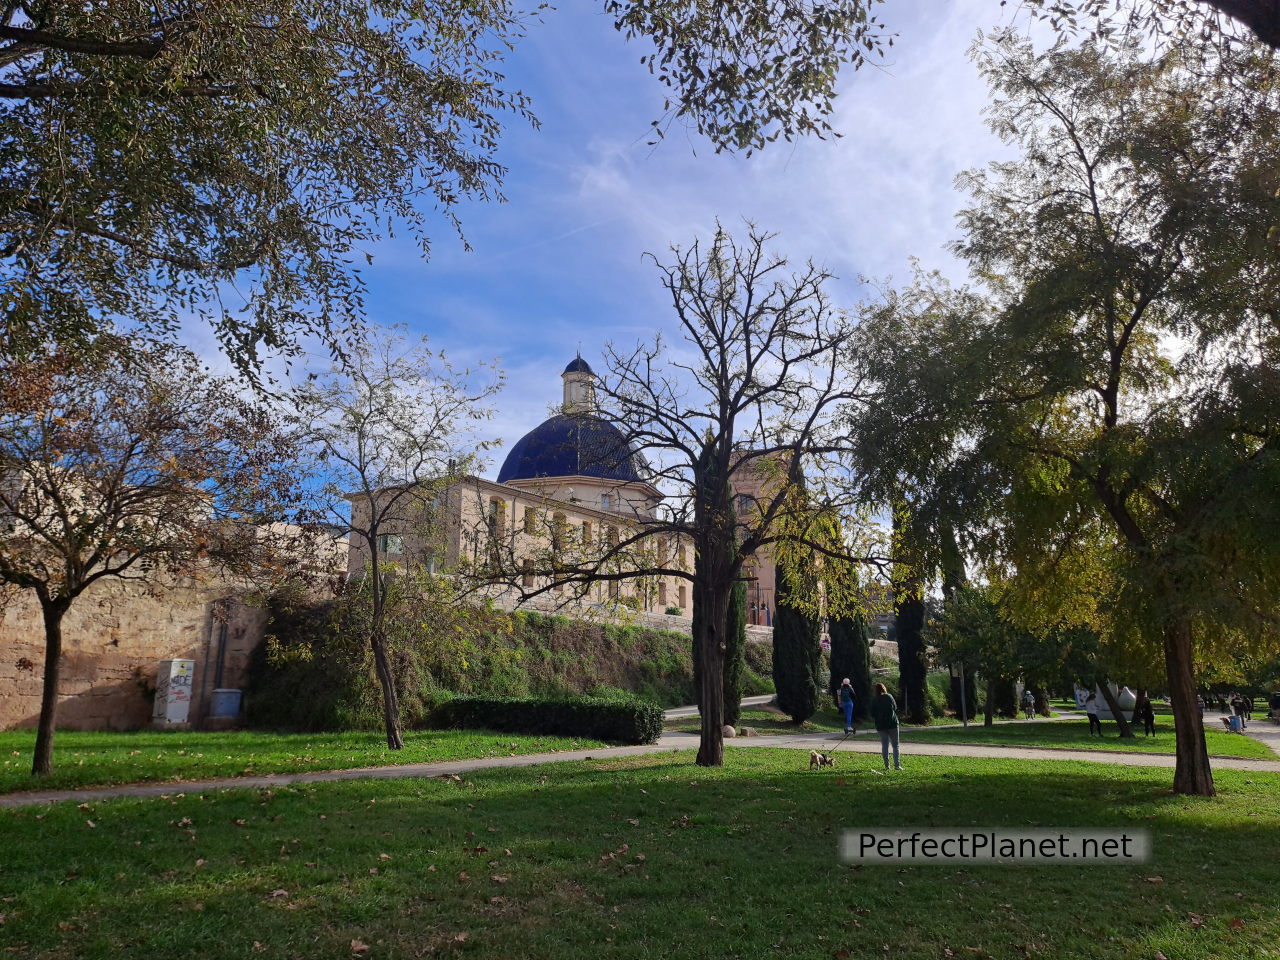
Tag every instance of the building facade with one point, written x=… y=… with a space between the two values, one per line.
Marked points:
x=571 y=487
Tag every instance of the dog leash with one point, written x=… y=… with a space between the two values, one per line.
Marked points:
x=841 y=743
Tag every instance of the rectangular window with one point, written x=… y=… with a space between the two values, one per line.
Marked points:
x=497 y=516
x=613 y=590
x=526 y=574
x=586 y=533
x=662 y=593
x=606 y=501
x=391 y=544
x=680 y=595
x=530 y=520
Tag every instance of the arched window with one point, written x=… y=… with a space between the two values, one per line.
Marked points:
x=680 y=593
x=662 y=593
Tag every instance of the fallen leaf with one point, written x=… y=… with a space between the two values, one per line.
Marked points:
x=462 y=875
x=459 y=938
x=497 y=879
x=359 y=946
x=64 y=926
x=90 y=824
x=277 y=894
x=1159 y=956
x=373 y=870
x=201 y=863
x=841 y=954
x=1236 y=923
x=1195 y=920
x=1155 y=879
x=384 y=856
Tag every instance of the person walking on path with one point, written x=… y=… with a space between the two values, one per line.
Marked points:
x=884 y=711
x=1028 y=703
x=846 y=704
x=1091 y=708
x=1147 y=714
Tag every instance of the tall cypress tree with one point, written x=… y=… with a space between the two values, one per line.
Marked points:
x=735 y=638
x=797 y=655
x=851 y=657
x=912 y=671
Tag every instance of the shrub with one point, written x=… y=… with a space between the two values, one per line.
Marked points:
x=939 y=685
x=598 y=718
x=674 y=612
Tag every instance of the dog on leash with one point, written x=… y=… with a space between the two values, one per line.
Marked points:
x=819 y=760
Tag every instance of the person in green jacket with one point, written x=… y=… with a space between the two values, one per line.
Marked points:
x=884 y=711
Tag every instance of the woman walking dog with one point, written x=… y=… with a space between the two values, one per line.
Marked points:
x=884 y=711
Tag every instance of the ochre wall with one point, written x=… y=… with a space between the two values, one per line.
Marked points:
x=114 y=635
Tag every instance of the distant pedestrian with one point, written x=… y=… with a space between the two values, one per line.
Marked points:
x=1147 y=714
x=1028 y=703
x=1091 y=708
x=884 y=711
x=846 y=704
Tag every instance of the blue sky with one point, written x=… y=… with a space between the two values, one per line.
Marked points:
x=561 y=261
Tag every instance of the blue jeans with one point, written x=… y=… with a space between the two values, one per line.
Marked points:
x=848 y=714
x=888 y=737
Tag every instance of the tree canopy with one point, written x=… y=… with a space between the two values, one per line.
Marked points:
x=1102 y=408
x=233 y=162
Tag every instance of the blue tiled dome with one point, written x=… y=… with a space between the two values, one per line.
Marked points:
x=578 y=365
x=571 y=445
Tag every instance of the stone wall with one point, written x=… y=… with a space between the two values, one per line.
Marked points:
x=114 y=636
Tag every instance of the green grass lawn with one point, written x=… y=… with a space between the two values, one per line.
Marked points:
x=1075 y=734
x=640 y=858
x=97 y=758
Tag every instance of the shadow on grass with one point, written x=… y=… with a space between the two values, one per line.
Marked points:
x=643 y=857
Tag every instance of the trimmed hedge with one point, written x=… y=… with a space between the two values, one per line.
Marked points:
x=624 y=721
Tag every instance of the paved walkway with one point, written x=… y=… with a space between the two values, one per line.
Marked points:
x=676 y=713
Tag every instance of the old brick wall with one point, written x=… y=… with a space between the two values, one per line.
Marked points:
x=114 y=635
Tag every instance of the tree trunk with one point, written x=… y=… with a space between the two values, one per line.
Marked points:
x=710 y=647
x=1192 y=773
x=390 y=699
x=1114 y=706
x=988 y=717
x=53 y=610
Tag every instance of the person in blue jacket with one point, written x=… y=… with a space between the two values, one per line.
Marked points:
x=846 y=704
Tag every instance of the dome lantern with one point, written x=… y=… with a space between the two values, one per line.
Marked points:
x=579 y=387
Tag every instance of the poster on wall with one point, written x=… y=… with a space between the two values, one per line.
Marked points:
x=174 y=684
